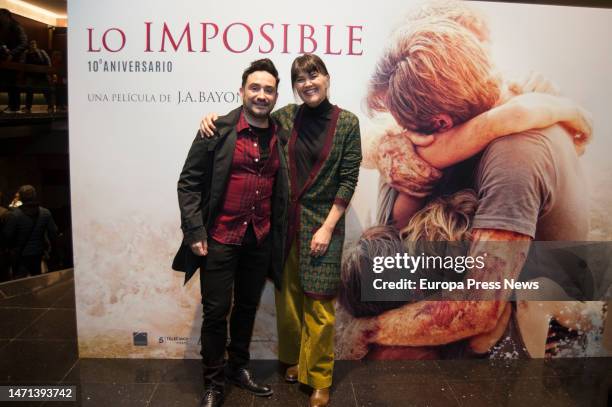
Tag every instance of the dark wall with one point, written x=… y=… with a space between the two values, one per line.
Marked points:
x=35 y=31
x=60 y=40
x=48 y=38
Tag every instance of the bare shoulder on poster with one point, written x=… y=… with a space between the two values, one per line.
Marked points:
x=236 y=38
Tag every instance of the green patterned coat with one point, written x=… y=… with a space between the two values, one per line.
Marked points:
x=333 y=179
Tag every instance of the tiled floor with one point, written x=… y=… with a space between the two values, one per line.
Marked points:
x=38 y=346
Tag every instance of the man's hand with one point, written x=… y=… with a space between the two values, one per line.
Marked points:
x=401 y=167
x=581 y=128
x=580 y=122
x=200 y=248
x=207 y=125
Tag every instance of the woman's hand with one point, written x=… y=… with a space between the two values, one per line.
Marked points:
x=207 y=125
x=320 y=241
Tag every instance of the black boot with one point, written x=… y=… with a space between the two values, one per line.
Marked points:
x=242 y=378
x=213 y=397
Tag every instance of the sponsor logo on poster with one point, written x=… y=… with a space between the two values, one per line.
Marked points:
x=180 y=340
x=140 y=338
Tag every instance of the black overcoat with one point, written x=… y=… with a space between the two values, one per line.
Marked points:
x=202 y=186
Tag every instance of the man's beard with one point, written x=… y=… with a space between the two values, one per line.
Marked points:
x=257 y=114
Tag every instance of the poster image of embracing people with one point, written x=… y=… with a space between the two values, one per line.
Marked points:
x=475 y=163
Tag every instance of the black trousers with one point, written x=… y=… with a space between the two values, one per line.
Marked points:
x=30 y=97
x=243 y=269
x=8 y=80
x=27 y=265
x=5 y=265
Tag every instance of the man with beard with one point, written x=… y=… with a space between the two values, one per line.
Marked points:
x=233 y=225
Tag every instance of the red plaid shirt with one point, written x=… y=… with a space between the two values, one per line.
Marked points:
x=248 y=198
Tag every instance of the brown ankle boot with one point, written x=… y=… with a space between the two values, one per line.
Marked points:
x=291 y=374
x=319 y=398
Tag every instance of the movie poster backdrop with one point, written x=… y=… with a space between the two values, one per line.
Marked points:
x=140 y=81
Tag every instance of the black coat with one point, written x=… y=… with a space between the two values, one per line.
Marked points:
x=200 y=198
x=27 y=228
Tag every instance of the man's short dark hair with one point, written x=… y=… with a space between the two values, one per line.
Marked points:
x=4 y=12
x=265 y=65
x=27 y=194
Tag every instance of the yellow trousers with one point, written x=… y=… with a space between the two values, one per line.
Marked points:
x=305 y=329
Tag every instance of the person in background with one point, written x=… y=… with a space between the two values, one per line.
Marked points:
x=16 y=202
x=59 y=81
x=26 y=232
x=4 y=256
x=37 y=81
x=3 y=210
x=13 y=43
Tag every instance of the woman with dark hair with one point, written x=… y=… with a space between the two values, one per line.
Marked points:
x=324 y=155
x=25 y=232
